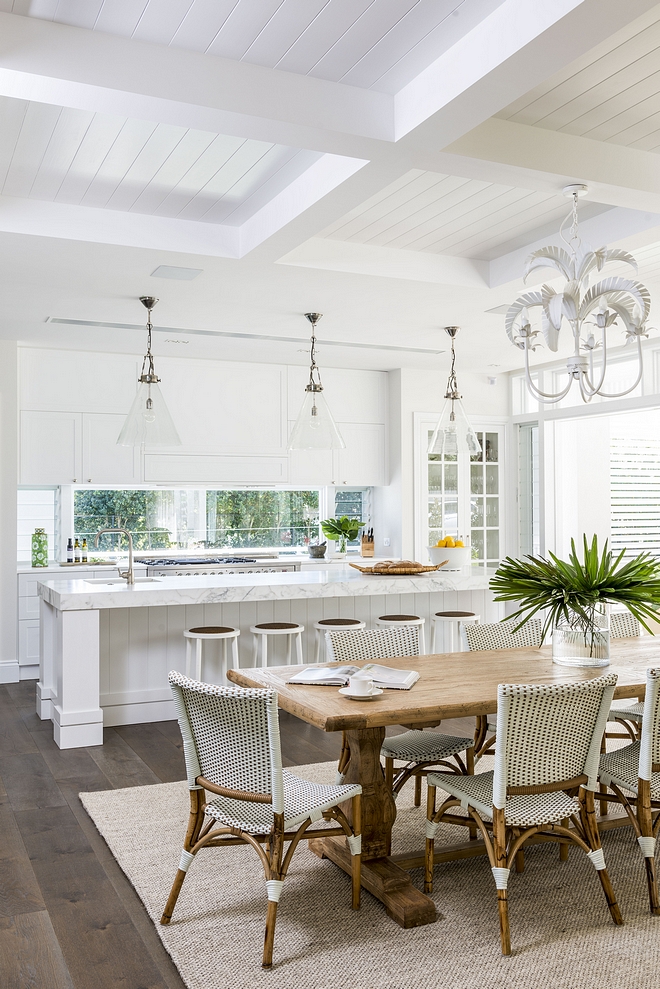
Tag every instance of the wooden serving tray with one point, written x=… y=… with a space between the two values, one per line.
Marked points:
x=396 y=570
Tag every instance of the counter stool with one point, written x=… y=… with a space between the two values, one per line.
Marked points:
x=333 y=625
x=451 y=620
x=261 y=632
x=387 y=621
x=219 y=633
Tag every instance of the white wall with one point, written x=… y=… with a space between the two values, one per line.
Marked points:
x=8 y=522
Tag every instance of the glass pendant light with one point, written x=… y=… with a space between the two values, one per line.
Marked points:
x=453 y=427
x=148 y=421
x=315 y=429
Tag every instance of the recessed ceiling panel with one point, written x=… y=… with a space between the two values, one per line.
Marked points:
x=446 y=214
x=380 y=44
x=60 y=154
x=611 y=94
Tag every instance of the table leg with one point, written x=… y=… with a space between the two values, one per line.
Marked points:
x=404 y=903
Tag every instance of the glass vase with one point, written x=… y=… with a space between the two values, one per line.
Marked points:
x=576 y=642
x=39 y=548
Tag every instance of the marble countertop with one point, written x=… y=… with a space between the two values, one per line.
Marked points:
x=81 y=595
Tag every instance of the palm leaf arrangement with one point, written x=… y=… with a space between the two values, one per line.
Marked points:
x=570 y=591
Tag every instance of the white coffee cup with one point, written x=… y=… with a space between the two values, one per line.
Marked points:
x=361 y=684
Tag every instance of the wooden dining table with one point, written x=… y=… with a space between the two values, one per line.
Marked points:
x=451 y=685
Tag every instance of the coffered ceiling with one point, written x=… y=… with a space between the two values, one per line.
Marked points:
x=387 y=162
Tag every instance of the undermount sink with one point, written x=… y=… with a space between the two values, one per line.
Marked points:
x=120 y=580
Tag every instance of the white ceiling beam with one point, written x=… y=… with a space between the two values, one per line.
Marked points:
x=107 y=226
x=518 y=46
x=616 y=175
x=388 y=262
x=89 y=70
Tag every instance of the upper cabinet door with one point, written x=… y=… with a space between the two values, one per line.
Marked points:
x=51 y=448
x=103 y=461
x=364 y=460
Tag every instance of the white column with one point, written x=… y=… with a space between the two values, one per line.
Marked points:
x=77 y=715
x=9 y=672
x=46 y=682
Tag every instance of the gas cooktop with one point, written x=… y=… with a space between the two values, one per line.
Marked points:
x=198 y=561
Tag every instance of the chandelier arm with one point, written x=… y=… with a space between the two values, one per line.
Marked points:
x=622 y=394
x=536 y=392
x=588 y=380
x=586 y=395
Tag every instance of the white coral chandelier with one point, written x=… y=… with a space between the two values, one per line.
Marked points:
x=588 y=309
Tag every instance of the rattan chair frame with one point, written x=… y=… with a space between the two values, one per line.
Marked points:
x=533 y=762
x=245 y=734
x=642 y=808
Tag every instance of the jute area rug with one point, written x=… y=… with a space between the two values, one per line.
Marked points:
x=561 y=932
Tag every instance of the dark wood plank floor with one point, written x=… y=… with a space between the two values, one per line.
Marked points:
x=69 y=918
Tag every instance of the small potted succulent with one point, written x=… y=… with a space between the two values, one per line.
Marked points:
x=341 y=531
x=574 y=596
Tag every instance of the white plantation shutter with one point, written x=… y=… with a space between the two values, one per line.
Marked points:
x=635 y=483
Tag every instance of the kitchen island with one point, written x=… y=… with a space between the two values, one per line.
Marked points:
x=106 y=647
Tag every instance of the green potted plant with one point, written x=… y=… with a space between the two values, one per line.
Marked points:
x=341 y=531
x=574 y=596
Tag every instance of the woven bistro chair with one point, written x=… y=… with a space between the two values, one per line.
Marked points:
x=417 y=749
x=231 y=743
x=546 y=768
x=497 y=635
x=635 y=769
x=623 y=625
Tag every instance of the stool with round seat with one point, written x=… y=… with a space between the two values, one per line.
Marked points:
x=451 y=621
x=263 y=630
x=387 y=621
x=212 y=633
x=333 y=625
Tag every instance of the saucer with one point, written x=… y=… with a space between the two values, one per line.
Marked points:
x=346 y=691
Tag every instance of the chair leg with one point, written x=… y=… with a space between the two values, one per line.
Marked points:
x=188 y=657
x=269 y=938
x=255 y=650
x=389 y=772
x=430 y=844
x=563 y=847
x=356 y=860
x=499 y=848
x=469 y=765
x=645 y=820
x=195 y=823
x=299 y=652
x=317 y=647
x=418 y=790
x=422 y=641
x=198 y=659
x=588 y=819
x=264 y=651
x=288 y=650
x=234 y=652
x=434 y=637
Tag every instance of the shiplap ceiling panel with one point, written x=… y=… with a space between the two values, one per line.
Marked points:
x=613 y=94
x=380 y=44
x=61 y=154
x=445 y=214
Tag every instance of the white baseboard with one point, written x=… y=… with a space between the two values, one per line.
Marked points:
x=9 y=672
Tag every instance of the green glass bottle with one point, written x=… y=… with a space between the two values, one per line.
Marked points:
x=39 y=548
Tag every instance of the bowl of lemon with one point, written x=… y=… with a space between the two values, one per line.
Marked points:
x=453 y=551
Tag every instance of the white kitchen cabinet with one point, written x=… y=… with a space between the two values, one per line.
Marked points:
x=51 y=448
x=28 y=649
x=364 y=460
x=104 y=462
x=75 y=381
x=181 y=468
x=75 y=448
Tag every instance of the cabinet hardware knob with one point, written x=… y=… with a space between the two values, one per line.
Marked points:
x=75 y=480
x=89 y=480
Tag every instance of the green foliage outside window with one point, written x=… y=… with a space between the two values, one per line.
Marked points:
x=199 y=518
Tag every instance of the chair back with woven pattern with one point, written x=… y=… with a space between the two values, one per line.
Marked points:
x=231 y=737
x=372 y=643
x=500 y=635
x=549 y=734
x=623 y=625
x=649 y=753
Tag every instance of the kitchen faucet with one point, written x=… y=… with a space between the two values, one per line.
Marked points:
x=128 y=575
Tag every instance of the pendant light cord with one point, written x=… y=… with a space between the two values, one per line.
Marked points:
x=148 y=359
